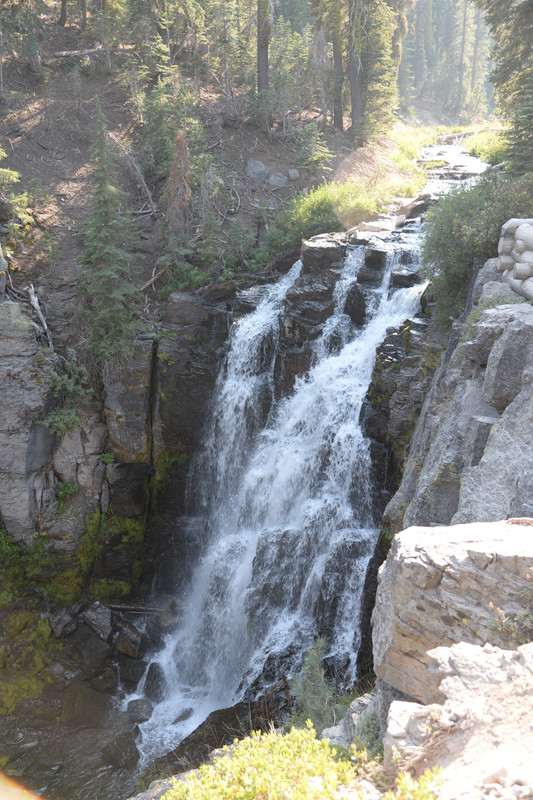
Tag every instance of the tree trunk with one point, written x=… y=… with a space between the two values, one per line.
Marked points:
x=355 y=67
x=338 y=115
x=83 y=14
x=263 y=41
x=63 y=15
x=1 y=65
x=461 y=75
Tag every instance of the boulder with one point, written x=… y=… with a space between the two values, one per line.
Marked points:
x=93 y=652
x=122 y=751
x=404 y=278
x=83 y=707
x=131 y=671
x=479 y=735
x=278 y=180
x=256 y=170
x=355 y=305
x=372 y=269
x=129 y=639
x=98 y=617
x=435 y=588
x=140 y=710
x=155 y=685
x=322 y=252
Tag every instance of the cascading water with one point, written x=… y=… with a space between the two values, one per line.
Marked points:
x=286 y=496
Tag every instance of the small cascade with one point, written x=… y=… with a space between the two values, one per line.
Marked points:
x=283 y=488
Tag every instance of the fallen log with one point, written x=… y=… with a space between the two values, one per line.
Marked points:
x=74 y=53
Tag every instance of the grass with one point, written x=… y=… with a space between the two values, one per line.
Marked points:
x=488 y=145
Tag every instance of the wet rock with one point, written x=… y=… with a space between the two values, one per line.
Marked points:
x=106 y=682
x=129 y=640
x=308 y=304
x=185 y=715
x=98 y=617
x=155 y=686
x=126 y=406
x=222 y=728
x=62 y=623
x=322 y=252
x=404 y=278
x=140 y=710
x=355 y=305
x=131 y=671
x=83 y=707
x=375 y=261
x=122 y=751
x=93 y=653
x=127 y=488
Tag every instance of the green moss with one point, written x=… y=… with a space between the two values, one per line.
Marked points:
x=15 y=687
x=163 y=460
x=21 y=568
x=109 y=589
x=28 y=651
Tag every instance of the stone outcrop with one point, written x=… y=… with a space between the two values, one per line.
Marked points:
x=435 y=588
x=475 y=420
x=26 y=488
x=515 y=260
x=480 y=734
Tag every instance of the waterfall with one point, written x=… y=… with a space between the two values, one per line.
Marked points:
x=284 y=489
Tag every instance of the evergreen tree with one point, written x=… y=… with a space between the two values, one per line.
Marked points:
x=109 y=267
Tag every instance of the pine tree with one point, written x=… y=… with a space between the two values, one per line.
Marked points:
x=109 y=267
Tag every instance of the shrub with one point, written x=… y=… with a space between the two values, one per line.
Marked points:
x=518 y=628
x=490 y=146
x=367 y=734
x=314 y=694
x=297 y=766
x=69 y=386
x=464 y=224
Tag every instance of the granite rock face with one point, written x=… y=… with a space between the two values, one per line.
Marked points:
x=474 y=423
x=26 y=446
x=435 y=588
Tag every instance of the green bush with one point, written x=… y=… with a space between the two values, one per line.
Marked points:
x=464 y=224
x=367 y=734
x=69 y=386
x=490 y=146
x=296 y=766
x=314 y=694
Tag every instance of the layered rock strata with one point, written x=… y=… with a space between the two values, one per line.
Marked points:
x=436 y=587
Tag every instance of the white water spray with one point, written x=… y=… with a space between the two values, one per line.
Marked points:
x=287 y=496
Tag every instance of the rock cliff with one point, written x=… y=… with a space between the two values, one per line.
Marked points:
x=435 y=588
x=475 y=420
